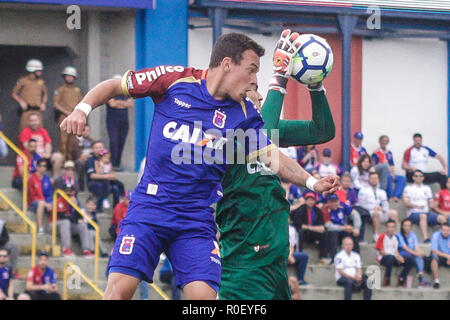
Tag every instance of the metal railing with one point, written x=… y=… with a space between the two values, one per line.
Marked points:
x=22 y=213
x=76 y=269
x=159 y=291
x=59 y=192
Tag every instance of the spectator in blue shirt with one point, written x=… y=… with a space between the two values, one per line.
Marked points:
x=307 y=157
x=440 y=252
x=41 y=280
x=408 y=246
x=6 y=277
x=167 y=276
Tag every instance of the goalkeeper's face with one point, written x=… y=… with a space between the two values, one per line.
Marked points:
x=241 y=77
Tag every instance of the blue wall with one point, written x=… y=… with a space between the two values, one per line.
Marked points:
x=161 y=38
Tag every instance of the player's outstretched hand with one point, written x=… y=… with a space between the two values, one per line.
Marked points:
x=74 y=123
x=328 y=185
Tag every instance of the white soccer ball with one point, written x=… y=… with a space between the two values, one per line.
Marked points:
x=314 y=60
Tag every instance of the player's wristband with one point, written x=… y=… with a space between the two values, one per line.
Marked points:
x=320 y=87
x=83 y=106
x=310 y=182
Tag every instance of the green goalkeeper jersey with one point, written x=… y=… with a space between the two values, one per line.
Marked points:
x=252 y=216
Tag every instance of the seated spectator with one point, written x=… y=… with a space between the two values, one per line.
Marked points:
x=416 y=158
x=167 y=276
x=356 y=148
x=383 y=155
x=325 y=167
x=13 y=248
x=408 y=244
x=320 y=199
x=360 y=173
x=297 y=258
x=99 y=183
x=32 y=156
x=67 y=179
x=43 y=143
x=6 y=277
x=120 y=211
x=348 y=272
x=293 y=194
x=388 y=255
x=346 y=193
x=307 y=157
x=41 y=280
x=104 y=166
x=440 y=252
x=82 y=151
x=40 y=193
x=374 y=200
x=89 y=210
x=441 y=202
x=417 y=198
x=309 y=223
x=69 y=223
x=340 y=221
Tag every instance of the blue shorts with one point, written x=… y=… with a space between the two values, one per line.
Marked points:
x=431 y=218
x=33 y=206
x=190 y=245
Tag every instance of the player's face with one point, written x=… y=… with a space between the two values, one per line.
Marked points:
x=242 y=77
x=255 y=97
x=34 y=122
x=373 y=180
x=417 y=142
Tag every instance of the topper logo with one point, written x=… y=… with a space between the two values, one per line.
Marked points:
x=156 y=73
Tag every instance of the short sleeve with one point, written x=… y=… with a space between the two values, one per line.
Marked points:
x=431 y=152
x=30 y=275
x=391 y=159
x=435 y=241
x=46 y=136
x=339 y=262
x=401 y=241
x=358 y=261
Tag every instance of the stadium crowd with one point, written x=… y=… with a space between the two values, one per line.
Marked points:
x=331 y=222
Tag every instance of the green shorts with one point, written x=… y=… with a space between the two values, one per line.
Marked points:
x=264 y=283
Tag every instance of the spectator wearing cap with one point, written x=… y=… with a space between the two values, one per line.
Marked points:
x=65 y=99
x=340 y=221
x=42 y=281
x=297 y=258
x=384 y=156
x=32 y=157
x=120 y=211
x=40 y=192
x=307 y=157
x=117 y=125
x=89 y=210
x=325 y=167
x=309 y=223
x=440 y=252
x=416 y=157
x=68 y=178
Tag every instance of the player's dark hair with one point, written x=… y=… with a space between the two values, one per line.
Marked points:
x=417 y=135
x=390 y=221
x=232 y=45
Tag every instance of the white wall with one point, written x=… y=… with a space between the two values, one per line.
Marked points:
x=404 y=90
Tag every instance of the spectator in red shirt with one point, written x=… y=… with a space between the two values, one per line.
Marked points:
x=43 y=143
x=41 y=280
x=120 y=211
x=441 y=202
x=36 y=200
x=32 y=156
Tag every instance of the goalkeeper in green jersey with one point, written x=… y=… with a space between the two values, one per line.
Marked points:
x=252 y=216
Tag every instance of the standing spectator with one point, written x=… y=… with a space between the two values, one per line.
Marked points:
x=325 y=167
x=117 y=125
x=30 y=92
x=82 y=151
x=66 y=97
x=98 y=183
x=297 y=258
x=32 y=156
x=388 y=255
x=89 y=210
x=71 y=223
x=42 y=281
x=416 y=157
x=408 y=244
x=440 y=252
x=309 y=223
x=383 y=155
x=13 y=248
x=307 y=157
x=360 y=172
x=120 y=211
x=346 y=193
x=348 y=272
x=340 y=221
x=417 y=198
x=374 y=200
x=441 y=202
x=40 y=193
x=43 y=143
x=356 y=148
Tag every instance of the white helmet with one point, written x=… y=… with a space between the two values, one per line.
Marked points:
x=70 y=71
x=34 y=65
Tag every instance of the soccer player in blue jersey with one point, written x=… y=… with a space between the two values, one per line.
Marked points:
x=187 y=155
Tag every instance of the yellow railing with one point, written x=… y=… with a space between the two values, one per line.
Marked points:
x=22 y=213
x=159 y=291
x=76 y=269
x=89 y=220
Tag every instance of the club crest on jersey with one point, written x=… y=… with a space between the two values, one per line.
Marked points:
x=126 y=247
x=219 y=119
